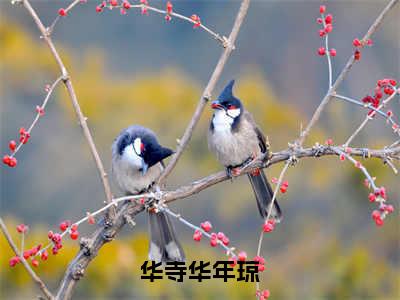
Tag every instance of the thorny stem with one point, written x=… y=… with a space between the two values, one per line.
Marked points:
x=28 y=268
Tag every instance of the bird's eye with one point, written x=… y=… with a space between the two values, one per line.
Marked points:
x=231 y=106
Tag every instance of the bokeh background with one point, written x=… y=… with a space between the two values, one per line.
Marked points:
x=140 y=69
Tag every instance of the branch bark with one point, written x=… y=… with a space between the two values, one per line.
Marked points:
x=207 y=91
x=28 y=268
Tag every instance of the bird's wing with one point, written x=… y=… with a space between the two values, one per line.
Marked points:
x=261 y=137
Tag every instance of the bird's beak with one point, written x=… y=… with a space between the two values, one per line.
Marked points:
x=216 y=105
x=144 y=167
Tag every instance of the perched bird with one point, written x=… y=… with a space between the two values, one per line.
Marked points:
x=235 y=139
x=136 y=164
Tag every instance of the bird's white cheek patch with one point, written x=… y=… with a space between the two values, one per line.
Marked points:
x=233 y=112
x=137 y=144
x=131 y=156
x=222 y=121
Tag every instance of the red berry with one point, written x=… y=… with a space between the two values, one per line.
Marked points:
x=12 y=145
x=13 y=162
x=220 y=235
x=259 y=259
x=114 y=2
x=371 y=197
x=99 y=9
x=14 y=260
x=225 y=241
x=329 y=142
x=63 y=226
x=62 y=12
x=376 y=214
x=283 y=189
x=74 y=227
x=382 y=192
x=266 y=294
x=319 y=20
x=261 y=268
x=169 y=7
x=40 y=110
x=27 y=254
x=321 y=32
x=58 y=245
x=332 y=52
x=242 y=256
x=322 y=9
x=44 y=255
x=379 y=221
x=388 y=90
x=268 y=227
x=342 y=157
x=213 y=242
x=328 y=19
x=126 y=5
x=321 y=51
x=389 y=113
x=233 y=261
x=392 y=82
x=22 y=228
x=50 y=234
x=328 y=28
x=74 y=235
x=197 y=235
x=54 y=250
x=389 y=209
x=356 y=43
x=206 y=226
x=369 y=42
x=6 y=159
x=35 y=262
x=357 y=54
x=168 y=18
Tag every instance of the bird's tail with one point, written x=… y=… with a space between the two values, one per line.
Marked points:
x=264 y=193
x=164 y=245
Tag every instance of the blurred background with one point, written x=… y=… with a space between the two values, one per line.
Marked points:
x=134 y=69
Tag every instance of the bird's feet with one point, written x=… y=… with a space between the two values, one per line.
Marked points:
x=233 y=172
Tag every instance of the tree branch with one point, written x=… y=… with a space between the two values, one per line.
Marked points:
x=207 y=91
x=342 y=75
x=28 y=268
x=68 y=84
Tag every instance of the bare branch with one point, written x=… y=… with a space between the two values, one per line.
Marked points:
x=207 y=91
x=28 y=268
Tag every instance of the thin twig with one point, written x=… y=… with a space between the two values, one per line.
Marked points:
x=28 y=268
x=207 y=91
x=369 y=117
x=38 y=115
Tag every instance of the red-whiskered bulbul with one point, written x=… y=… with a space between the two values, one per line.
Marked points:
x=235 y=139
x=136 y=164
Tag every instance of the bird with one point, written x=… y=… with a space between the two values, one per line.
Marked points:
x=137 y=162
x=236 y=140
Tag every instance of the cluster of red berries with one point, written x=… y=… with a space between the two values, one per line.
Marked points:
x=262 y=295
x=215 y=237
x=379 y=195
x=326 y=22
x=269 y=225
x=56 y=238
x=359 y=44
x=73 y=229
x=260 y=263
x=12 y=145
x=383 y=86
x=284 y=185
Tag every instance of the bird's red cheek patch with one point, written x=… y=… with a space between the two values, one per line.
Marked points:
x=256 y=172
